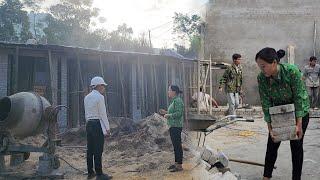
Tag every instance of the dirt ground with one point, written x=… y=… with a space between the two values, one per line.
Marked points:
x=143 y=150
x=247 y=141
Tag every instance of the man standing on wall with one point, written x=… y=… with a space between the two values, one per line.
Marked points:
x=97 y=127
x=232 y=80
x=311 y=76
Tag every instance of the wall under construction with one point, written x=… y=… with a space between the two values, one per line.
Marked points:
x=246 y=26
x=137 y=82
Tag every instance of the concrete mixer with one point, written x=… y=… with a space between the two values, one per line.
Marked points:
x=23 y=115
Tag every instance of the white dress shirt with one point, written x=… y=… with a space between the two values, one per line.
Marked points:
x=95 y=108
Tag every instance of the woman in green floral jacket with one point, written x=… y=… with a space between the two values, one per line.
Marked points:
x=281 y=84
x=174 y=115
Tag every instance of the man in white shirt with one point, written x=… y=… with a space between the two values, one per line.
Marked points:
x=97 y=127
x=204 y=101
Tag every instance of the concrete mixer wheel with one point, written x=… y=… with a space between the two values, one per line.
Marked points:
x=56 y=162
x=26 y=155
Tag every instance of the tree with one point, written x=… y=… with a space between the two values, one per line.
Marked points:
x=69 y=22
x=14 y=22
x=35 y=6
x=188 y=28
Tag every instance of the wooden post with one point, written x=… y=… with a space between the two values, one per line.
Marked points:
x=120 y=70
x=142 y=88
x=314 y=38
x=81 y=92
x=198 y=86
x=152 y=88
x=167 y=81
x=102 y=75
x=156 y=86
x=186 y=102
x=16 y=71
x=52 y=79
x=210 y=79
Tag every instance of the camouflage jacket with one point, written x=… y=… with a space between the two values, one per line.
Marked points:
x=232 y=79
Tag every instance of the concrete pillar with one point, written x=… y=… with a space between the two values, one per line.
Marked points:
x=3 y=74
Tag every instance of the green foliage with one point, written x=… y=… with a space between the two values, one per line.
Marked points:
x=14 y=22
x=70 y=22
x=188 y=28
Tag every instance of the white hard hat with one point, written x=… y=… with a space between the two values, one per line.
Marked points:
x=97 y=81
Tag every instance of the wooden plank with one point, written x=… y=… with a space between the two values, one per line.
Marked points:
x=120 y=70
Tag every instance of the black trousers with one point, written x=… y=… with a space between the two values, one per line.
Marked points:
x=175 y=134
x=296 y=154
x=95 y=142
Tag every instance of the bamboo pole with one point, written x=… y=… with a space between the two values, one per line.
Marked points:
x=210 y=79
x=198 y=86
x=143 y=110
x=185 y=95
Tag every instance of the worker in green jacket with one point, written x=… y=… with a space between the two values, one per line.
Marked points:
x=174 y=117
x=281 y=84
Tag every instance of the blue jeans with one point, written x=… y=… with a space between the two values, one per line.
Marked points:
x=233 y=101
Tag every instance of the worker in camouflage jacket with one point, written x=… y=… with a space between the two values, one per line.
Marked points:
x=232 y=81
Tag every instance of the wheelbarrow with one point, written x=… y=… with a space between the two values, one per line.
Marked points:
x=206 y=124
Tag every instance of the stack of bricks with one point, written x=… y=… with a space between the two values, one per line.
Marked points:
x=283 y=122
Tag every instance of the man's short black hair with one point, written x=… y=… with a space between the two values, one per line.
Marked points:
x=236 y=56
x=313 y=58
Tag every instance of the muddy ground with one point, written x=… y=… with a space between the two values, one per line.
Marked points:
x=143 y=151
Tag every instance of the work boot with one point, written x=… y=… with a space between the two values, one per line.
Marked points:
x=103 y=177
x=91 y=175
x=171 y=167
x=177 y=168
